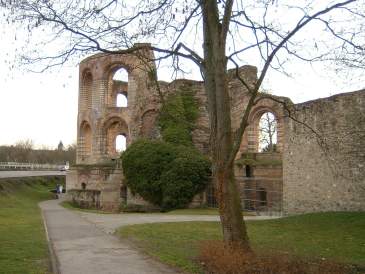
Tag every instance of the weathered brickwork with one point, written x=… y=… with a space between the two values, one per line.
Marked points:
x=300 y=176
x=100 y=121
x=327 y=173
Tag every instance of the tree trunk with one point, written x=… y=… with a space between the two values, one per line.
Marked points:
x=216 y=88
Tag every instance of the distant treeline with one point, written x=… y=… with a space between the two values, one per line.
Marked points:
x=24 y=152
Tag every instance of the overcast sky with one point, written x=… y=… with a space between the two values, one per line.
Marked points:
x=43 y=107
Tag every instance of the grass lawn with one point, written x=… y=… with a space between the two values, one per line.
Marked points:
x=338 y=237
x=23 y=244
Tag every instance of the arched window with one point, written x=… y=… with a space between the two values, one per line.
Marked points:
x=121 y=75
x=118 y=97
x=116 y=133
x=122 y=100
x=267 y=133
x=120 y=143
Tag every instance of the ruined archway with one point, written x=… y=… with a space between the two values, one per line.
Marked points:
x=118 y=83
x=264 y=132
x=267 y=132
x=115 y=128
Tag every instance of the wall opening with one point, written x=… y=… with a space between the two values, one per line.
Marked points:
x=123 y=194
x=116 y=133
x=122 y=100
x=83 y=186
x=267 y=133
x=210 y=196
x=120 y=143
x=118 y=88
x=262 y=196
x=121 y=75
x=249 y=172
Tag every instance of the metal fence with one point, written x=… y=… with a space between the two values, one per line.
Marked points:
x=27 y=166
x=261 y=196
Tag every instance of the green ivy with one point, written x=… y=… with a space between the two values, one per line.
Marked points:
x=169 y=172
x=178 y=116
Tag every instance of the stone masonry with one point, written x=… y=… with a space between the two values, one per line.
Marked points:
x=298 y=177
x=326 y=173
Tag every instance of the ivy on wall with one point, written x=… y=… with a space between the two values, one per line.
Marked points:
x=178 y=116
x=169 y=172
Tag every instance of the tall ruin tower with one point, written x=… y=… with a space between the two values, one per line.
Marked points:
x=110 y=110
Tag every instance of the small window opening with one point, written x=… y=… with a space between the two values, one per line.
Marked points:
x=123 y=193
x=120 y=143
x=122 y=100
x=262 y=196
x=249 y=171
x=83 y=186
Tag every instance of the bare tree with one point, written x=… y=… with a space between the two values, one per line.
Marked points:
x=267 y=132
x=22 y=150
x=230 y=33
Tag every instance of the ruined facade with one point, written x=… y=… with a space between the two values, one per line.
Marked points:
x=274 y=181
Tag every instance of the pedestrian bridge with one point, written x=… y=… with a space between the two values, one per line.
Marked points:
x=27 y=166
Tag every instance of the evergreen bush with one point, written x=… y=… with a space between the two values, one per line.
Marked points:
x=169 y=172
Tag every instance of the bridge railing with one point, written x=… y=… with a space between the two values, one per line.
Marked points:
x=27 y=166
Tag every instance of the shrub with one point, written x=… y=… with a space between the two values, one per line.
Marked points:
x=177 y=135
x=143 y=164
x=164 y=174
x=187 y=175
x=219 y=259
x=169 y=173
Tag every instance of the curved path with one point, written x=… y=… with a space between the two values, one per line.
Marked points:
x=82 y=243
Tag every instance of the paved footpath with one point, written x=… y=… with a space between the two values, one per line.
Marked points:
x=82 y=248
x=84 y=243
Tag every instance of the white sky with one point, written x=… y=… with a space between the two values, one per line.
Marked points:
x=43 y=107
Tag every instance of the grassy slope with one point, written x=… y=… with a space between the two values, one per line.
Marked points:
x=23 y=246
x=335 y=236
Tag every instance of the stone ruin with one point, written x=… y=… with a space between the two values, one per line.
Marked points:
x=318 y=163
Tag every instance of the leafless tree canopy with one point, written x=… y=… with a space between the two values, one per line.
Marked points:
x=23 y=152
x=329 y=30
